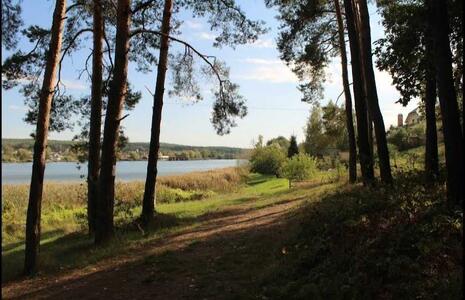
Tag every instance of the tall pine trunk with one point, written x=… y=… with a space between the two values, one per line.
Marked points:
x=148 y=204
x=365 y=157
x=361 y=9
x=95 y=116
x=431 y=146
x=40 y=146
x=347 y=95
x=439 y=19
x=116 y=98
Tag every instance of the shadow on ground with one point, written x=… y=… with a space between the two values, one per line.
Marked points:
x=219 y=259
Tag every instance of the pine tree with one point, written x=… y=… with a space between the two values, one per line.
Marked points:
x=293 y=147
x=40 y=146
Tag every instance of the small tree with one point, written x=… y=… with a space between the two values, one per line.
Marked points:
x=299 y=167
x=267 y=160
x=293 y=148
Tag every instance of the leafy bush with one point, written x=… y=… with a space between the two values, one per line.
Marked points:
x=267 y=160
x=407 y=137
x=298 y=167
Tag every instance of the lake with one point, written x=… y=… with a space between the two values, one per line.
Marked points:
x=16 y=173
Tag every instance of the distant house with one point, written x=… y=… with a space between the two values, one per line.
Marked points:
x=162 y=157
x=413 y=117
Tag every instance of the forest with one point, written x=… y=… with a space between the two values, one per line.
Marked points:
x=354 y=210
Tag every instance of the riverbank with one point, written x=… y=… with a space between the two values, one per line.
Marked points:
x=20 y=150
x=63 y=206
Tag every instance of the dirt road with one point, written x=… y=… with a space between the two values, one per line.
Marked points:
x=219 y=259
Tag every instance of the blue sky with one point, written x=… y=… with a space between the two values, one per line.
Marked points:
x=268 y=85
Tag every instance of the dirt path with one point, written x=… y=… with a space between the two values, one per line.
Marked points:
x=215 y=260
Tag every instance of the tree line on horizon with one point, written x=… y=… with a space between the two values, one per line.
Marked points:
x=20 y=150
x=423 y=54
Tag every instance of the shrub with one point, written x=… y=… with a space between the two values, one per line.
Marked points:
x=267 y=160
x=407 y=137
x=299 y=167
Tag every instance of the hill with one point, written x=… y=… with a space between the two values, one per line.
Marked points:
x=20 y=150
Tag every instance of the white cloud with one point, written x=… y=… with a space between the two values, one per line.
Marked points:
x=271 y=73
x=17 y=108
x=193 y=24
x=206 y=36
x=69 y=84
x=261 y=61
x=74 y=85
x=263 y=43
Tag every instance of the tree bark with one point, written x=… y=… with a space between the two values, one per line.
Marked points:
x=439 y=19
x=148 y=204
x=116 y=97
x=40 y=146
x=95 y=116
x=431 y=146
x=365 y=157
x=347 y=95
x=361 y=10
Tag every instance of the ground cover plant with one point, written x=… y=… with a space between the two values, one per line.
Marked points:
x=388 y=243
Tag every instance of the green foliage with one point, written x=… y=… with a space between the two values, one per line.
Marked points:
x=267 y=159
x=307 y=41
x=325 y=131
x=401 y=51
x=11 y=23
x=407 y=137
x=334 y=124
x=315 y=140
x=280 y=141
x=299 y=167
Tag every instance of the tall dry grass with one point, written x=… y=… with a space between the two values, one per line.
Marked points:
x=64 y=202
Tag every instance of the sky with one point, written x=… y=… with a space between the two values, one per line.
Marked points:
x=268 y=85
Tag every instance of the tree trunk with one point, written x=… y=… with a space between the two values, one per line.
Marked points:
x=148 y=205
x=95 y=117
x=40 y=146
x=347 y=95
x=116 y=97
x=431 y=146
x=370 y=131
x=448 y=101
x=366 y=159
x=361 y=11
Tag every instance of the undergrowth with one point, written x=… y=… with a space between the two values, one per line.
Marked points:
x=399 y=242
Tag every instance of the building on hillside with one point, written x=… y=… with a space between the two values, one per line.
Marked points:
x=400 y=120
x=162 y=157
x=413 y=117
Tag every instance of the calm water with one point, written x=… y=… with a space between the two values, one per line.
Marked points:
x=14 y=173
